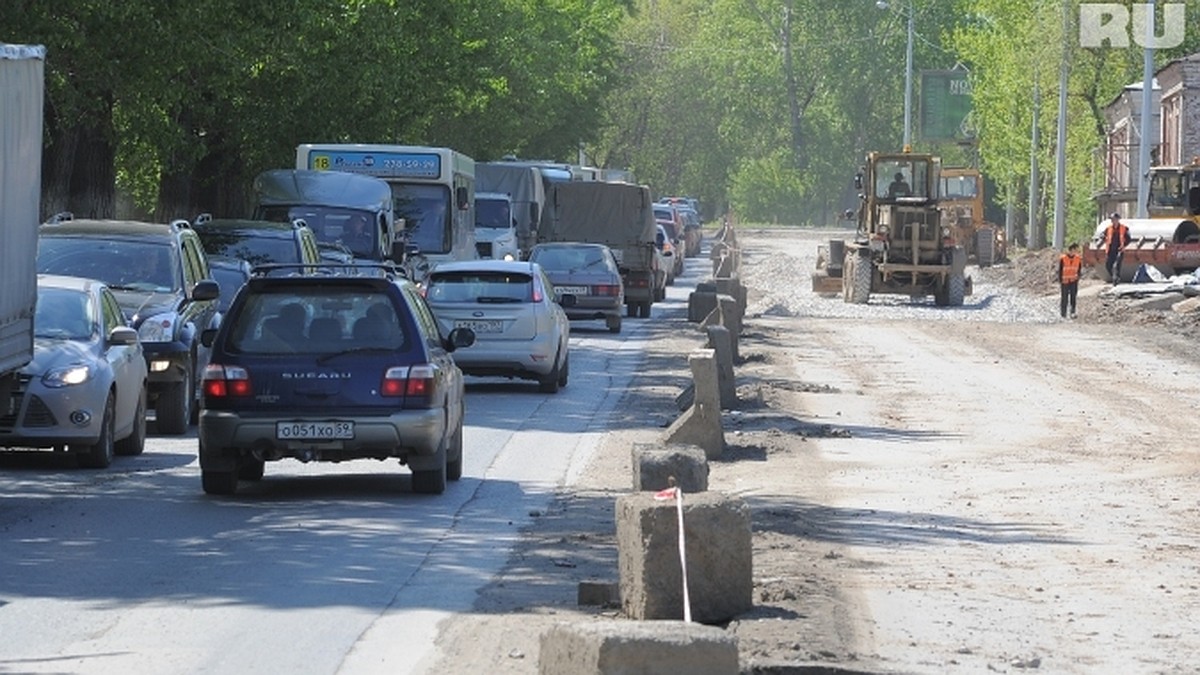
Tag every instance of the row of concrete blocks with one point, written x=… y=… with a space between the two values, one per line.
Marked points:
x=717 y=545
x=716 y=537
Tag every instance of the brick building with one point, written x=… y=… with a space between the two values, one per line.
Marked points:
x=1174 y=132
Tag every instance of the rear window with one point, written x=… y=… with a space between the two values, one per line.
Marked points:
x=254 y=248
x=573 y=259
x=480 y=287
x=317 y=321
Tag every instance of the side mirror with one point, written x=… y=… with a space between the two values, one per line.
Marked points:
x=206 y=289
x=399 y=249
x=858 y=181
x=1194 y=200
x=460 y=338
x=208 y=336
x=460 y=196
x=848 y=214
x=123 y=336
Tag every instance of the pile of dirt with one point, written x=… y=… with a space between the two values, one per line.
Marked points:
x=1033 y=272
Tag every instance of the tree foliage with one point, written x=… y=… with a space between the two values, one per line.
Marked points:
x=181 y=104
x=765 y=107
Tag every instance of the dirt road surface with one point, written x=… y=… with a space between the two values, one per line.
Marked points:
x=976 y=489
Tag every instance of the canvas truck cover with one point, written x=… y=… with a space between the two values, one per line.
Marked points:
x=304 y=187
x=615 y=214
x=22 y=69
x=522 y=183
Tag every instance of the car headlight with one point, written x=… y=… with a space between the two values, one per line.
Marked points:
x=158 y=328
x=67 y=376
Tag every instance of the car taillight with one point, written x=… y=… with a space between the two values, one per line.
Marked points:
x=606 y=289
x=414 y=383
x=537 y=292
x=221 y=381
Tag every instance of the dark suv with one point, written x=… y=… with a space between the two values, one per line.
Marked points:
x=258 y=242
x=331 y=368
x=160 y=276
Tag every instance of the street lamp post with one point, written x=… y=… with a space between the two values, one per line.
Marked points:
x=908 y=72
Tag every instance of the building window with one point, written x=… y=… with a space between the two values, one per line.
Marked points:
x=1171 y=152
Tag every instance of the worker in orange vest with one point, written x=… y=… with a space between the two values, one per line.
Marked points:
x=1116 y=238
x=1069 y=266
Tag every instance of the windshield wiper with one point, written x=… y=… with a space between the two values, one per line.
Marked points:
x=322 y=360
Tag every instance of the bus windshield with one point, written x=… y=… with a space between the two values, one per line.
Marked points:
x=426 y=214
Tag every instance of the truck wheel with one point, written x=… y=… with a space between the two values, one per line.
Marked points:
x=985 y=247
x=100 y=455
x=174 y=407
x=614 y=324
x=631 y=309
x=956 y=290
x=644 y=310
x=860 y=290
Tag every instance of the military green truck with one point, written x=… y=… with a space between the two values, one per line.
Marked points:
x=901 y=246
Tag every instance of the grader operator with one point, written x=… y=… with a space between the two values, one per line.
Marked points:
x=901 y=246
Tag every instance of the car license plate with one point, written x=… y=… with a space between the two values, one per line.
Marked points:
x=314 y=431
x=571 y=290
x=481 y=326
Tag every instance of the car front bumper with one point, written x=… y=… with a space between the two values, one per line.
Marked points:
x=39 y=417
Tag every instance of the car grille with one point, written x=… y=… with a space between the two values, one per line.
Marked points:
x=37 y=414
x=484 y=248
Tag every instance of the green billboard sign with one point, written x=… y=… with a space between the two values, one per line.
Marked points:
x=945 y=105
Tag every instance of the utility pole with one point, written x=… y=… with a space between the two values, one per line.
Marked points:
x=1060 y=159
x=1147 y=105
x=1034 y=241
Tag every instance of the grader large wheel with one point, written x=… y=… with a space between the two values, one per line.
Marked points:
x=856 y=277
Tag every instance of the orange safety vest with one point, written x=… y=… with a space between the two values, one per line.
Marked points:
x=1070 y=267
x=1117 y=234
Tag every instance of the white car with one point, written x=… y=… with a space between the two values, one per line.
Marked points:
x=520 y=329
x=85 y=390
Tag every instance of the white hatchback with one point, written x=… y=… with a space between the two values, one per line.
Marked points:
x=520 y=329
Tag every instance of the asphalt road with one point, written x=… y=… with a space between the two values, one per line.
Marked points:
x=320 y=568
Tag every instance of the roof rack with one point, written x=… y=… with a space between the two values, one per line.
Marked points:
x=386 y=269
x=181 y=224
x=60 y=217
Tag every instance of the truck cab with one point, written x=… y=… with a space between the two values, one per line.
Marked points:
x=496 y=226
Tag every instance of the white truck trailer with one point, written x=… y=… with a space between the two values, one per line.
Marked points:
x=22 y=70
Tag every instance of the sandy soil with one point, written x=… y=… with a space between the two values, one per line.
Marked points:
x=928 y=496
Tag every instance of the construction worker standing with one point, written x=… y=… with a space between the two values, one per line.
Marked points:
x=1116 y=237
x=1069 y=265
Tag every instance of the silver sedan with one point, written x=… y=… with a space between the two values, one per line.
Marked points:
x=85 y=390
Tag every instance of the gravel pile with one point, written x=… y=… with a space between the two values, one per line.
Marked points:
x=777 y=267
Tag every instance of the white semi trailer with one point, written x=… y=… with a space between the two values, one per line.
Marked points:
x=22 y=70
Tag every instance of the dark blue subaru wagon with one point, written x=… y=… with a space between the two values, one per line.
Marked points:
x=327 y=369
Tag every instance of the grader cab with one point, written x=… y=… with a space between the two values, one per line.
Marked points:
x=901 y=246
x=962 y=211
